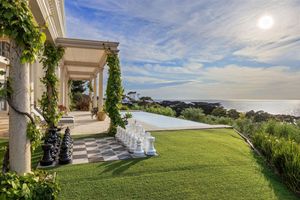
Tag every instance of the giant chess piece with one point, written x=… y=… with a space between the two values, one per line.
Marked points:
x=127 y=140
x=139 y=152
x=65 y=155
x=151 y=151
x=132 y=144
x=47 y=158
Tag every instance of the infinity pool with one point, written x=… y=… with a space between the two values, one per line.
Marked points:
x=152 y=121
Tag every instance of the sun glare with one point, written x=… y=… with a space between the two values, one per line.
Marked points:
x=265 y=22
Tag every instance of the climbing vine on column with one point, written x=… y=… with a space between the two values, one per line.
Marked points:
x=49 y=102
x=26 y=40
x=114 y=93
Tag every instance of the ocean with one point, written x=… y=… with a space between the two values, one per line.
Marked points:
x=288 y=107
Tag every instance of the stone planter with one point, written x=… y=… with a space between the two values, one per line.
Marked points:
x=101 y=115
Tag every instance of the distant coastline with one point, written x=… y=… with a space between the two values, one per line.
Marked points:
x=281 y=107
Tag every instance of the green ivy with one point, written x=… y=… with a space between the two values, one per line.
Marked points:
x=114 y=93
x=39 y=185
x=17 y=23
x=49 y=102
x=34 y=134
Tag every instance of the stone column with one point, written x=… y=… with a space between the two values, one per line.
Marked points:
x=62 y=85
x=100 y=89
x=19 y=145
x=67 y=94
x=32 y=85
x=95 y=92
x=90 y=95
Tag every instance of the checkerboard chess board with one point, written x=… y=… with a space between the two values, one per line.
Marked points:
x=90 y=150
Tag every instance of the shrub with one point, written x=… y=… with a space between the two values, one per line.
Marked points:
x=246 y=126
x=282 y=129
x=219 y=112
x=38 y=185
x=259 y=116
x=167 y=111
x=283 y=154
x=124 y=107
x=194 y=114
x=298 y=123
x=233 y=114
x=224 y=121
x=80 y=101
x=135 y=107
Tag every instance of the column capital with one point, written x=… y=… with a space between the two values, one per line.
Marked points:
x=101 y=69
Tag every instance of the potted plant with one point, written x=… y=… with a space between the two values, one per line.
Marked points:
x=101 y=115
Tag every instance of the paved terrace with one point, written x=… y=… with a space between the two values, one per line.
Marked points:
x=84 y=124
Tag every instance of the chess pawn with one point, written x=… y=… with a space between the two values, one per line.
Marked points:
x=151 y=150
x=145 y=140
x=132 y=144
x=139 y=152
x=127 y=139
x=47 y=158
x=64 y=155
x=124 y=137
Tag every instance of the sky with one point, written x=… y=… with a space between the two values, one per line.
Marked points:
x=197 y=49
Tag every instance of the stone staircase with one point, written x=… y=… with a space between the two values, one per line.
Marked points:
x=3 y=124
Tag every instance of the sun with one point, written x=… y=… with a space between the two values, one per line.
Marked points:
x=265 y=22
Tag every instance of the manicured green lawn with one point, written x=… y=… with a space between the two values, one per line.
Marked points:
x=206 y=164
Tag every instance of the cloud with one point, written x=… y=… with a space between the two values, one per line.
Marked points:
x=235 y=82
x=209 y=48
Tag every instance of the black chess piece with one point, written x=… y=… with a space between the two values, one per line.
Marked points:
x=47 y=158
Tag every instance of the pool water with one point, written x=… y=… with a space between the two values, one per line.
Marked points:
x=159 y=122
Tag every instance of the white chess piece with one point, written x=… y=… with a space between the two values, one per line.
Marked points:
x=120 y=137
x=127 y=138
x=118 y=134
x=139 y=152
x=151 y=151
x=132 y=144
x=145 y=140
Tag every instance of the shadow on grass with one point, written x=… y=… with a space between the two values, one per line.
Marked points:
x=119 y=167
x=274 y=180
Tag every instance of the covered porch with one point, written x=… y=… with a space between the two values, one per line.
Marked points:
x=83 y=60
